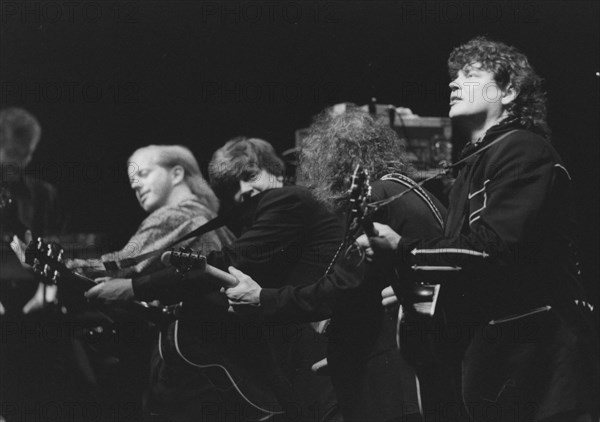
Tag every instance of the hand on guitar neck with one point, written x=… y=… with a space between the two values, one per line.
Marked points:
x=240 y=289
x=246 y=292
x=193 y=265
x=376 y=236
x=382 y=238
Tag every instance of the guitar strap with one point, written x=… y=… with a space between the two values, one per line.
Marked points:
x=419 y=191
x=374 y=206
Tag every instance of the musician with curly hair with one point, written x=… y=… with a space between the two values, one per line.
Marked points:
x=508 y=250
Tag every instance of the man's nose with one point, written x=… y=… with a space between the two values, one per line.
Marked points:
x=135 y=183
x=245 y=187
x=244 y=192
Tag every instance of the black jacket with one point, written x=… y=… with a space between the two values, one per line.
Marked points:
x=509 y=259
x=509 y=235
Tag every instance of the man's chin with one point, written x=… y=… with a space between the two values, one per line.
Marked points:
x=148 y=207
x=454 y=112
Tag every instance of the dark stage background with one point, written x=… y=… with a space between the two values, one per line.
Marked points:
x=106 y=77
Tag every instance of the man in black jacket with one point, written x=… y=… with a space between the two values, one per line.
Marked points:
x=373 y=382
x=530 y=351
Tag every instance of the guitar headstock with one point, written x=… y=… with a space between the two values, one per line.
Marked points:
x=184 y=259
x=46 y=259
x=5 y=197
x=359 y=196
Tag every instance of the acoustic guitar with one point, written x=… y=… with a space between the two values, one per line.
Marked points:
x=232 y=351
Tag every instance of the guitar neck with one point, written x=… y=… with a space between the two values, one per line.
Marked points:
x=368 y=227
x=78 y=281
x=199 y=268
x=221 y=277
x=85 y=283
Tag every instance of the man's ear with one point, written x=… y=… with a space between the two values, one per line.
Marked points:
x=178 y=174
x=509 y=94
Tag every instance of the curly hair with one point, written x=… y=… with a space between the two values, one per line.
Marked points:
x=169 y=156
x=239 y=159
x=510 y=67
x=336 y=144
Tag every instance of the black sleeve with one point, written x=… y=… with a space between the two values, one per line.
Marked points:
x=315 y=301
x=280 y=218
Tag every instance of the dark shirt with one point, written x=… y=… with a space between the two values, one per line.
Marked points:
x=34 y=207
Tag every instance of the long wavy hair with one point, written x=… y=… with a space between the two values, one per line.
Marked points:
x=169 y=156
x=336 y=144
x=510 y=67
x=240 y=159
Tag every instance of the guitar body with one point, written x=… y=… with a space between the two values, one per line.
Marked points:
x=417 y=302
x=228 y=353
x=220 y=358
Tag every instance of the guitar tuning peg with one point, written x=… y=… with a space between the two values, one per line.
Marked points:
x=36 y=265
x=55 y=277
x=46 y=270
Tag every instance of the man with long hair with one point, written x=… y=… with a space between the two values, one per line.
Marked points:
x=530 y=352
x=169 y=186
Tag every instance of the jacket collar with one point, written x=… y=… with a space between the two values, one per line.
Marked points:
x=491 y=134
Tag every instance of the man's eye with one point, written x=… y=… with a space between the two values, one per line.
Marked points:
x=249 y=175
